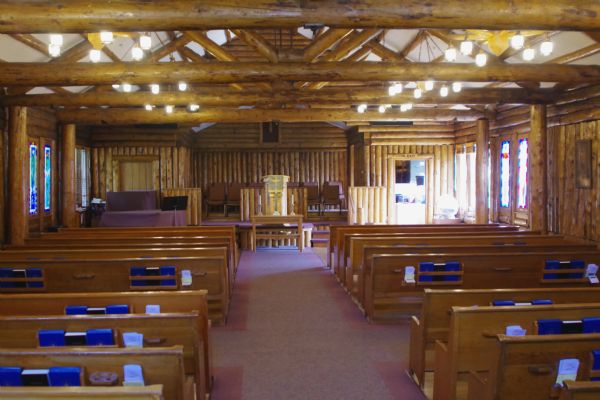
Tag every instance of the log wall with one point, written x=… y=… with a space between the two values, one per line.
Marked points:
x=310 y=152
x=573 y=211
x=171 y=171
x=3 y=157
x=367 y=205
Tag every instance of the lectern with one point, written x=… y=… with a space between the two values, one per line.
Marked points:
x=276 y=195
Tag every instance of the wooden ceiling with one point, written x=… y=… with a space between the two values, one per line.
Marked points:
x=284 y=71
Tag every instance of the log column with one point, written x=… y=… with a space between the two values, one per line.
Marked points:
x=482 y=213
x=538 y=170
x=68 y=213
x=17 y=177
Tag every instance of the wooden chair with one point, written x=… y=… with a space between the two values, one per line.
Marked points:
x=216 y=196
x=312 y=195
x=331 y=196
x=233 y=196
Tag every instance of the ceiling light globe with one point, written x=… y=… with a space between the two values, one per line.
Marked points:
x=418 y=93
x=481 y=59
x=126 y=87
x=382 y=109
x=429 y=85
x=106 y=37
x=466 y=47
x=450 y=54
x=182 y=86
x=148 y=107
x=528 y=54
x=95 y=55
x=547 y=47
x=53 y=50
x=169 y=109
x=456 y=87
x=145 y=42
x=444 y=91
x=154 y=88
x=56 y=39
x=137 y=53
x=517 y=42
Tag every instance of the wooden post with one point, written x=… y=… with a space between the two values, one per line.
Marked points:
x=481 y=160
x=69 y=216
x=538 y=169
x=17 y=177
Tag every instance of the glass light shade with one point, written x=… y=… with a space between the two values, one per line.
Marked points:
x=169 y=109
x=116 y=86
x=528 y=54
x=444 y=91
x=450 y=54
x=56 y=39
x=95 y=55
x=106 y=37
x=517 y=42
x=466 y=47
x=194 y=107
x=382 y=109
x=429 y=85
x=126 y=87
x=418 y=93
x=547 y=47
x=456 y=87
x=154 y=88
x=145 y=42
x=137 y=53
x=53 y=50
x=182 y=86
x=361 y=108
x=481 y=59
x=148 y=107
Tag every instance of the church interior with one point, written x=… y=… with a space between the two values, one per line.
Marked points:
x=328 y=200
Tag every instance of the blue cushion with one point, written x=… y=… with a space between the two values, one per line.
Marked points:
x=117 y=309
x=549 y=327
x=64 y=376
x=425 y=267
x=51 y=337
x=76 y=310
x=551 y=264
x=499 y=303
x=591 y=325
x=541 y=302
x=34 y=273
x=596 y=357
x=6 y=273
x=10 y=376
x=99 y=337
x=138 y=271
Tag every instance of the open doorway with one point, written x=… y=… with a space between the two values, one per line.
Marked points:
x=410 y=191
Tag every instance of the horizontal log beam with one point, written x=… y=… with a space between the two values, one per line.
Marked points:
x=44 y=74
x=34 y=16
x=128 y=116
x=327 y=97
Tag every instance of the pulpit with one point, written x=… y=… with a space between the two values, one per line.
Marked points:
x=276 y=195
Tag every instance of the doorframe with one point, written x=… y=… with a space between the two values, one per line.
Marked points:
x=116 y=169
x=391 y=173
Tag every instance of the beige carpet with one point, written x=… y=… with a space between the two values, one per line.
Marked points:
x=293 y=333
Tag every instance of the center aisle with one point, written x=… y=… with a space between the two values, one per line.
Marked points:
x=293 y=333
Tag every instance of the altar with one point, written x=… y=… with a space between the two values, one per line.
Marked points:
x=139 y=208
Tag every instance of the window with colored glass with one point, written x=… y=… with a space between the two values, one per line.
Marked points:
x=33 y=178
x=522 y=174
x=505 y=174
x=47 y=178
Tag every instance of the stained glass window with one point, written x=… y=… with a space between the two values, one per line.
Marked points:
x=505 y=174
x=47 y=177
x=33 y=178
x=522 y=173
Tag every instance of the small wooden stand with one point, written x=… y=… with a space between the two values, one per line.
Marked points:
x=276 y=224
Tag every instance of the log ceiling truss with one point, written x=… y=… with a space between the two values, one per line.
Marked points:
x=287 y=72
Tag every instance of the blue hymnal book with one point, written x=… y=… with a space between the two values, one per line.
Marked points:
x=596 y=363
x=541 y=302
x=452 y=266
x=51 y=337
x=591 y=325
x=551 y=264
x=10 y=376
x=425 y=267
x=577 y=264
x=549 y=327
x=168 y=271
x=117 y=309
x=138 y=271
x=64 y=376
x=75 y=310
x=501 y=303
x=100 y=337
x=34 y=273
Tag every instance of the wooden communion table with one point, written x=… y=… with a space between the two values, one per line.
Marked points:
x=277 y=227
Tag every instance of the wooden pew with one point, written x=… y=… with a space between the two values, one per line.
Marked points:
x=338 y=232
x=433 y=322
x=164 y=330
x=358 y=244
x=162 y=366
x=113 y=275
x=388 y=297
x=525 y=368
x=470 y=341
x=475 y=244
x=580 y=390
x=342 y=253
x=152 y=392
x=169 y=302
x=64 y=253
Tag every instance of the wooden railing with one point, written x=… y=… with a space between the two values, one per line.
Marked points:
x=249 y=202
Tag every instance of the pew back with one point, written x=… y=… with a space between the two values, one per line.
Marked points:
x=580 y=390
x=152 y=392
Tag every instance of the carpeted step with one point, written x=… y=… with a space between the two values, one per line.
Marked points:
x=316 y=242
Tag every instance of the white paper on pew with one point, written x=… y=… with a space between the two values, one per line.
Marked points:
x=409 y=274
x=133 y=339
x=132 y=375
x=152 y=309
x=567 y=370
x=515 y=330
x=591 y=273
x=186 y=277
